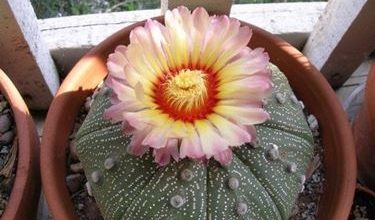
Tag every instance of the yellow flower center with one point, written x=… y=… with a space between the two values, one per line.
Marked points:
x=186 y=90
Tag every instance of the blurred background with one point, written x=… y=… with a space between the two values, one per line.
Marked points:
x=58 y=8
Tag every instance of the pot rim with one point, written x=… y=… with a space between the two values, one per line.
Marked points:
x=336 y=132
x=24 y=197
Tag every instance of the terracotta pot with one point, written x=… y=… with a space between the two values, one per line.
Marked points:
x=364 y=134
x=24 y=197
x=307 y=82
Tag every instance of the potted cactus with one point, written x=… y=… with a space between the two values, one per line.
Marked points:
x=161 y=144
x=24 y=158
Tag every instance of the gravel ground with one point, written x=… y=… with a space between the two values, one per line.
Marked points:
x=8 y=153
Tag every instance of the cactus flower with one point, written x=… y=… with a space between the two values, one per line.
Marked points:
x=189 y=88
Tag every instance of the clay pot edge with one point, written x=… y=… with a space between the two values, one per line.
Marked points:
x=24 y=198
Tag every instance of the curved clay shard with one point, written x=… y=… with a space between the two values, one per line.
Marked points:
x=262 y=182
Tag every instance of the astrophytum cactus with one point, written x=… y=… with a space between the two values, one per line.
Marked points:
x=186 y=126
x=261 y=182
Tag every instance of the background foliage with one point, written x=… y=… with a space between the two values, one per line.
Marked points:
x=56 y=8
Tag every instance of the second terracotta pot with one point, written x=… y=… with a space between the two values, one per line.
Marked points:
x=306 y=81
x=24 y=197
x=364 y=134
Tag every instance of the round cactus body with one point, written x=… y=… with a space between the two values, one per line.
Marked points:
x=262 y=181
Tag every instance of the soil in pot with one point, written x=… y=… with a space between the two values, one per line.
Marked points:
x=8 y=153
x=363 y=206
x=305 y=208
x=80 y=190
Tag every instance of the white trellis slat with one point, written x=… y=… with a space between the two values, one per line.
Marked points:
x=89 y=30
x=24 y=56
x=213 y=6
x=342 y=39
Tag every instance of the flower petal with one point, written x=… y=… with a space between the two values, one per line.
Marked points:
x=251 y=101
x=255 y=61
x=252 y=131
x=139 y=92
x=136 y=147
x=122 y=91
x=224 y=157
x=138 y=60
x=237 y=81
x=257 y=85
x=235 y=135
x=149 y=39
x=200 y=22
x=212 y=143
x=157 y=32
x=127 y=128
x=243 y=115
x=117 y=61
x=157 y=138
x=213 y=39
x=179 y=46
x=163 y=155
x=178 y=129
x=115 y=112
x=191 y=145
x=135 y=120
x=233 y=45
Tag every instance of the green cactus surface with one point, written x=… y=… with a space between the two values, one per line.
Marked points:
x=262 y=181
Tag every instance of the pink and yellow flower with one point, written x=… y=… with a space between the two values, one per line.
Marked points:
x=191 y=88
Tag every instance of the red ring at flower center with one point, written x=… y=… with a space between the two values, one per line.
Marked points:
x=187 y=94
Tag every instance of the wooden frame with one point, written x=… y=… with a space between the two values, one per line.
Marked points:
x=24 y=56
x=340 y=41
x=89 y=30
